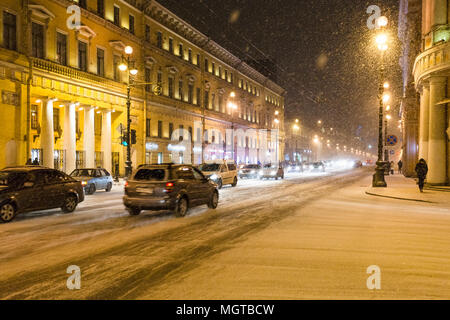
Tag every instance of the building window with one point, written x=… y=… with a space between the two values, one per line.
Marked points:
x=147 y=33
x=180 y=89
x=148 y=74
x=160 y=158
x=198 y=60
x=101 y=8
x=206 y=100
x=170 y=87
x=61 y=48
x=147 y=128
x=100 y=62
x=220 y=72
x=37 y=39
x=171 y=45
x=190 y=55
x=117 y=16
x=116 y=63
x=206 y=65
x=213 y=68
x=55 y=119
x=82 y=56
x=82 y=3
x=231 y=77
x=160 y=129
x=213 y=102
x=131 y=23
x=191 y=138
x=34 y=116
x=159 y=40
x=170 y=130
x=159 y=80
x=181 y=132
x=198 y=138
x=190 y=93
x=221 y=103
x=9 y=31
x=180 y=50
x=198 y=96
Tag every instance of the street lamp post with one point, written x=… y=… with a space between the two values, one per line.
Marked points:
x=232 y=106
x=378 y=177
x=386 y=151
x=131 y=73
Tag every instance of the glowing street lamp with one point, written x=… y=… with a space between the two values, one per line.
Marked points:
x=124 y=66
x=386 y=98
x=386 y=85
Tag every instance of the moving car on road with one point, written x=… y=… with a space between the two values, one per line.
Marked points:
x=31 y=188
x=93 y=179
x=249 y=171
x=270 y=171
x=221 y=173
x=295 y=167
x=318 y=167
x=169 y=187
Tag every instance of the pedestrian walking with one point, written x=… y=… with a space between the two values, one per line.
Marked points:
x=422 y=171
x=400 y=166
x=29 y=162
x=35 y=162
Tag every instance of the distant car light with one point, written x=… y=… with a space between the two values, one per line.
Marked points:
x=84 y=183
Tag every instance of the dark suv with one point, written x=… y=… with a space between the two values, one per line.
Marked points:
x=169 y=187
x=32 y=188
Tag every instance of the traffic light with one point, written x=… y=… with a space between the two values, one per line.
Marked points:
x=123 y=140
x=133 y=136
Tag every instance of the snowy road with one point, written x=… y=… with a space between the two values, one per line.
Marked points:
x=158 y=256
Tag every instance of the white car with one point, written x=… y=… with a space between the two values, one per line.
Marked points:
x=221 y=173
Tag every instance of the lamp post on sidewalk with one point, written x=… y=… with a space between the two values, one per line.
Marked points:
x=381 y=40
x=128 y=65
x=232 y=106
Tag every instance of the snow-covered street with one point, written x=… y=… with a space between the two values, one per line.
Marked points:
x=308 y=236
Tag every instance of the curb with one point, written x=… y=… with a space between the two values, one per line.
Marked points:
x=396 y=198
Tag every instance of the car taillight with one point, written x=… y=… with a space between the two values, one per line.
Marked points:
x=169 y=187
x=126 y=184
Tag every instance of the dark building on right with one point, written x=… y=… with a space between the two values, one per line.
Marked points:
x=424 y=30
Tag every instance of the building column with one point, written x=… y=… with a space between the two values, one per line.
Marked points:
x=107 y=140
x=437 y=138
x=70 y=140
x=89 y=137
x=47 y=134
x=424 y=120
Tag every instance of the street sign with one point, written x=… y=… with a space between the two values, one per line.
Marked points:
x=392 y=140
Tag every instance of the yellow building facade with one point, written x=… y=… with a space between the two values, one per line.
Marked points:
x=64 y=97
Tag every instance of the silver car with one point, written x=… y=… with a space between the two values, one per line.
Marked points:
x=93 y=179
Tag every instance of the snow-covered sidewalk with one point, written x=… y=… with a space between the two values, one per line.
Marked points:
x=402 y=188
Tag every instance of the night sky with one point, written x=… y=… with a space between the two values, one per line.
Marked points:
x=323 y=50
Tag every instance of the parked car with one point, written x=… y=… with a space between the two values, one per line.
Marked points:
x=31 y=188
x=270 y=171
x=249 y=171
x=169 y=187
x=221 y=173
x=93 y=179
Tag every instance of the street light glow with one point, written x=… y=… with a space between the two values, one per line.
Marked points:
x=386 y=85
x=386 y=98
x=381 y=41
x=388 y=117
x=123 y=67
x=133 y=72
x=232 y=105
x=128 y=50
x=232 y=94
x=382 y=21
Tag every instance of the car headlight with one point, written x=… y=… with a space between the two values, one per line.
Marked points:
x=84 y=183
x=273 y=173
x=214 y=177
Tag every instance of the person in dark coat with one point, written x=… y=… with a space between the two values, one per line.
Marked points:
x=35 y=162
x=29 y=162
x=422 y=171
x=400 y=166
